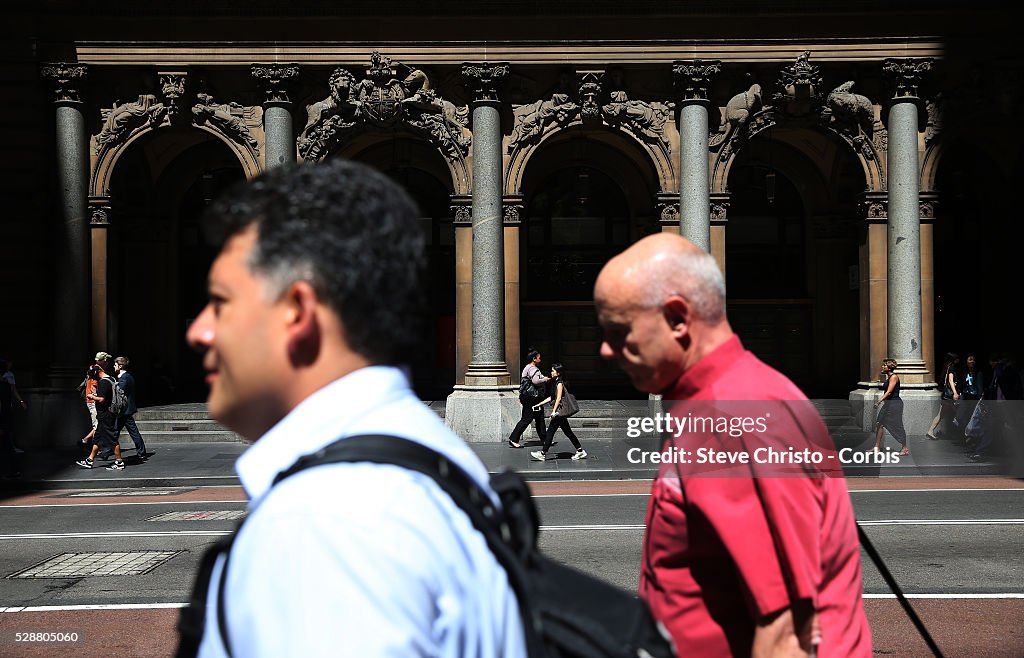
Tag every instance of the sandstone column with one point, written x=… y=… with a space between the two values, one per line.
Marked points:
x=485 y=407
x=56 y=416
x=279 y=134
x=903 y=255
x=693 y=78
x=70 y=330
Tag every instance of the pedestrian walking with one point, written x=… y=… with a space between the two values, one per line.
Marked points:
x=558 y=421
x=7 y=402
x=942 y=424
x=890 y=410
x=126 y=420
x=739 y=565
x=316 y=304
x=104 y=437
x=531 y=387
x=9 y=463
x=88 y=388
x=971 y=392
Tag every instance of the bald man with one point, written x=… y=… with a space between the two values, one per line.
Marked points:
x=738 y=559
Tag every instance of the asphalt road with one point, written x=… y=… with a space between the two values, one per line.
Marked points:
x=955 y=547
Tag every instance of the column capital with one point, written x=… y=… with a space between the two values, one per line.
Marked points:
x=68 y=79
x=462 y=209
x=693 y=78
x=485 y=79
x=875 y=206
x=276 y=80
x=719 y=211
x=667 y=208
x=927 y=202
x=512 y=210
x=905 y=74
x=99 y=211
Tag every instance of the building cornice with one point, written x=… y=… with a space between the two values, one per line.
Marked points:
x=543 y=53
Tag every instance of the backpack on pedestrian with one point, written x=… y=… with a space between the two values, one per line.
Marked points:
x=118 y=399
x=566 y=613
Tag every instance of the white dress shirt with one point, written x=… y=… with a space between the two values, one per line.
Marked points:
x=360 y=559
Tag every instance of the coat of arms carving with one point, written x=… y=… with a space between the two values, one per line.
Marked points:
x=390 y=94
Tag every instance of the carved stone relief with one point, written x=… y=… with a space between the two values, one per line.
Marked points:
x=737 y=113
x=799 y=87
x=383 y=99
x=172 y=88
x=512 y=214
x=933 y=124
x=601 y=97
x=122 y=120
x=848 y=112
x=233 y=119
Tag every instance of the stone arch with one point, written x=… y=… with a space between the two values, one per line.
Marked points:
x=655 y=155
x=458 y=169
x=865 y=150
x=104 y=162
x=409 y=149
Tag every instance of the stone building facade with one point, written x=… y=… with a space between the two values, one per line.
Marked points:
x=843 y=167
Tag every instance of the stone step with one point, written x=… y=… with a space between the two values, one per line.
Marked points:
x=596 y=419
x=184 y=437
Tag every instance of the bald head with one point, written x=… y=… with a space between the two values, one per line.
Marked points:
x=660 y=266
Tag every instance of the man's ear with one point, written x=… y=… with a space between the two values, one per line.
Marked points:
x=677 y=314
x=302 y=325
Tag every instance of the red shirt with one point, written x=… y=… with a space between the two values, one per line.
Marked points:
x=728 y=544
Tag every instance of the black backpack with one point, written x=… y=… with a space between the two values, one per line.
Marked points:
x=118 y=398
x=566 y=613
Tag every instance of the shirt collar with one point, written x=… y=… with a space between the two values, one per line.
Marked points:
x=708 y=370
x=316 y=422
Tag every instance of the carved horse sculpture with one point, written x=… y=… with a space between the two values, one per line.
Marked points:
x=850 y=110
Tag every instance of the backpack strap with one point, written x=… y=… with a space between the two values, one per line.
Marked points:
x=869 y=548
x=509 y=536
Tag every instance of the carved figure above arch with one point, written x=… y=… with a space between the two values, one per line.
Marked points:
x=872 y=162
x=122 y=120
x=848 y=112
x=599 y=99
x=233 y=119
x=737 y=113
x=383 y=99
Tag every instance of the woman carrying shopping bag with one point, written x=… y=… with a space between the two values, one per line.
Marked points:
x=564 y=407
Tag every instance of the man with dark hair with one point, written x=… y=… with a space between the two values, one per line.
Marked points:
x=740 y=557
x=315 y=306
x=104 y=434
x=126 y=383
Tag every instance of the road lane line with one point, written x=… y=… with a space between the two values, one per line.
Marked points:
x=1002 y=595
x=104 y=606
x=172 y=606
x=943 y=522
x=107 y=535
x=854 y=491
x=592 y=527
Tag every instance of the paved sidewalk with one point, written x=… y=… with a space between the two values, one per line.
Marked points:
x=212 y=464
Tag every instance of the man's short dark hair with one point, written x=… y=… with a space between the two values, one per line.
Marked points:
x=348 y=230
x=121 y=361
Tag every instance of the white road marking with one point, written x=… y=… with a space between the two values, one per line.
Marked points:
x=164 y=606
x=943 y=522
x=1003 y=595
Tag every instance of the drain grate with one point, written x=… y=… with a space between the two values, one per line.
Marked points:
x=81 y=565
x=200 y=515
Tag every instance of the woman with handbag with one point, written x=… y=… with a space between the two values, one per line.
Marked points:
x=942 y=422
x=530 y=392
x=890 y=416
x=565 y=406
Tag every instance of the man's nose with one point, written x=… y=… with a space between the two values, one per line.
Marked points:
x=607 y=352
x=199 y=335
